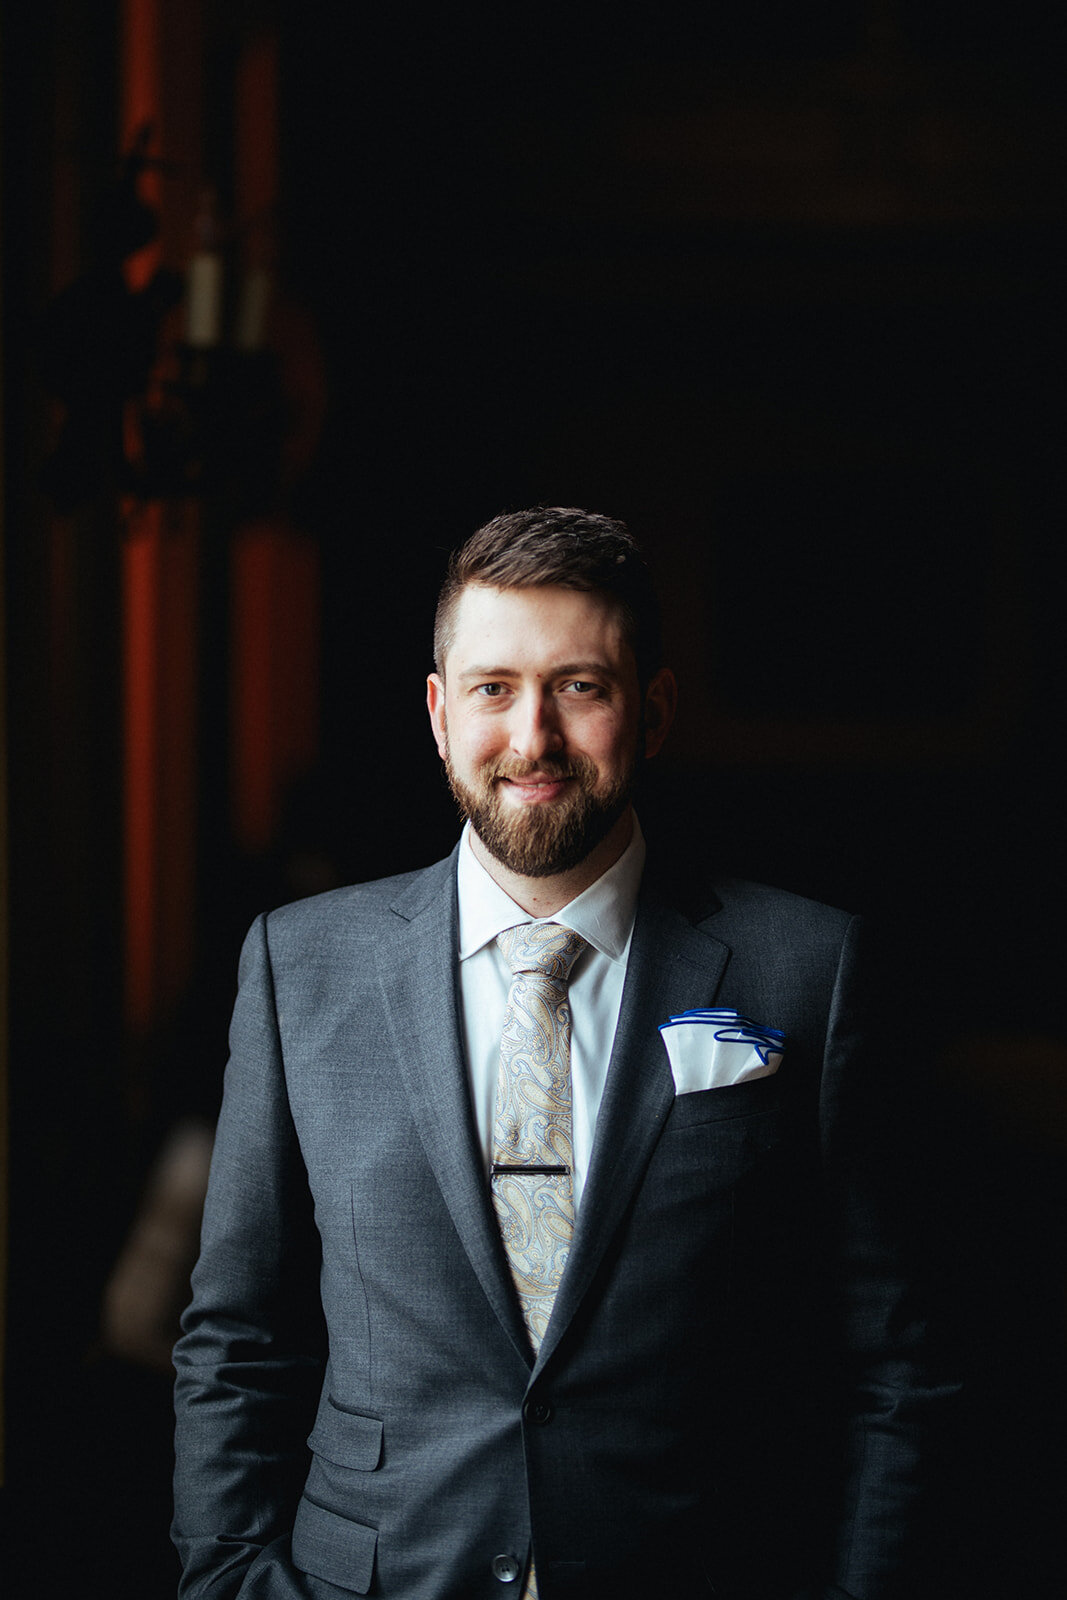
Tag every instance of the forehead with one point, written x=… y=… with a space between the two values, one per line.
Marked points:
x=541 y=626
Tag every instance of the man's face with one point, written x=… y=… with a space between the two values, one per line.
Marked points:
x=538 y=719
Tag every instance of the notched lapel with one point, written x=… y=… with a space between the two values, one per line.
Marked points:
x=417 y=975
x=672 y=967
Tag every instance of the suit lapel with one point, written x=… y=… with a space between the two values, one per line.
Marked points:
x=672 y=967
x=417 y=973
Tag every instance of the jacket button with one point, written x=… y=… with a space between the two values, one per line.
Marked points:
x=538 y=1411
x=506 y=1568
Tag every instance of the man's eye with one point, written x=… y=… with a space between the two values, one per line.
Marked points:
x=579 y=686
x=491 y=691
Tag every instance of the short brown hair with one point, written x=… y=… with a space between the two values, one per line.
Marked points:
x=557 y=545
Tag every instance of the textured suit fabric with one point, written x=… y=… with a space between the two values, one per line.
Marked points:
x=733 y=1393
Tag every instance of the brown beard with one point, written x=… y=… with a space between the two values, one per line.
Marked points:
x=541 y=841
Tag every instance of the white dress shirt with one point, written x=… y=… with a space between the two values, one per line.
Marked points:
x=604 y=916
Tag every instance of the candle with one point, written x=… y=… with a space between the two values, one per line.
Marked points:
x=203 y=324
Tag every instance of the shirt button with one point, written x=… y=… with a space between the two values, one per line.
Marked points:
x=506 y=1568
x=538 y=1411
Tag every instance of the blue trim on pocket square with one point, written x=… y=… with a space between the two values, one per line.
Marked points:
x=732 y=1028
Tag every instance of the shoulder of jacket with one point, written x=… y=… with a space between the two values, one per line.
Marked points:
x=353 y=905
x=744 y=901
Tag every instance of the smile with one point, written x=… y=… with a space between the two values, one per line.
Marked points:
x=535 y=790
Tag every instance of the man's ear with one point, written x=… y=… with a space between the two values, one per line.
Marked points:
x=435 y=705
x=661 y=702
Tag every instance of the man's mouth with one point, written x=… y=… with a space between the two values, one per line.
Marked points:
x=535 y=788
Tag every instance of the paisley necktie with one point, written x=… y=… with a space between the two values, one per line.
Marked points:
x=532 y=1154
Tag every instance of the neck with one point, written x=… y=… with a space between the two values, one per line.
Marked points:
x=543 y=897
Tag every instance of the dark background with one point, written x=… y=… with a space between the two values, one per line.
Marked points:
x=780 y=287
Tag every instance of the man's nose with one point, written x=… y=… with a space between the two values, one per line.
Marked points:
x=535 y=727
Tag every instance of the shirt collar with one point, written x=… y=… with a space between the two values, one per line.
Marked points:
x=603 y=914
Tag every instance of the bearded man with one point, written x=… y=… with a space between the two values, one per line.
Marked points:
x=553 y=1245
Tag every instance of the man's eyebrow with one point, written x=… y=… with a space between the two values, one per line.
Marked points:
x=569 y=669
x=578 y=669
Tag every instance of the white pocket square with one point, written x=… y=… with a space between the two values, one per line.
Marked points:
x=710 y=1049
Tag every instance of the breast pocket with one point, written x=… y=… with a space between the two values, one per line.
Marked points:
x=758 y=1097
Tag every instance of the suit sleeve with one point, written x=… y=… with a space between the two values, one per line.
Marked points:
x=894 y=1347
x=250 y=1360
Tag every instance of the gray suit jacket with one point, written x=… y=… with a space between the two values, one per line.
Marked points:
x=732 y=1395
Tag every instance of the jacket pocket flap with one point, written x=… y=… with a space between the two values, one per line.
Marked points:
x=351 y=1440
x=331 y=1547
